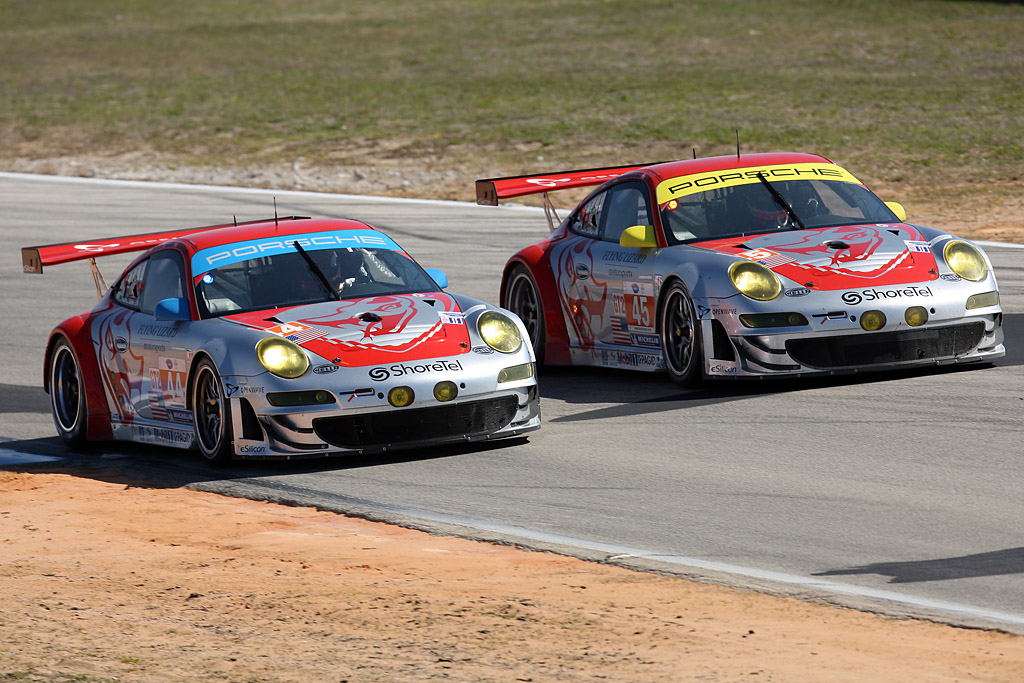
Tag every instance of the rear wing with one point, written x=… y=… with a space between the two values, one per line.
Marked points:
x=490 y=190
x=34 y=258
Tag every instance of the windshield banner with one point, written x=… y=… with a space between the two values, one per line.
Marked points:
x=674 y=188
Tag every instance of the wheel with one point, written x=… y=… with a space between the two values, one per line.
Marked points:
x=67 y=395
x=211 y=415
x=680 y=336
x=523 y=299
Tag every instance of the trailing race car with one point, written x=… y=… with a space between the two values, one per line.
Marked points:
x=754 y=266
x=282 y=338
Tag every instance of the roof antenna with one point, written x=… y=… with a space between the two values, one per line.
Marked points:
x=694 y=152
x=737 y=143
x=235 y=219
x=275 y=210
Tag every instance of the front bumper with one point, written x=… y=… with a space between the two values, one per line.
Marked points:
x=845 y=348
x=334 y=432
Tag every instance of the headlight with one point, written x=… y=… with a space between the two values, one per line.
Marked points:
x=754 y=280
x=516 y=372
x=282 y=357
x=965 y=260
x=500 y=333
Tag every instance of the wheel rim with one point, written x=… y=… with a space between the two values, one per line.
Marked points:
x=66 y=389
x=208 y=409
x=524 y=303
x=679 y=331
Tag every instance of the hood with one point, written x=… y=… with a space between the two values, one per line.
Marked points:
x=844 y=257
x=371 y=331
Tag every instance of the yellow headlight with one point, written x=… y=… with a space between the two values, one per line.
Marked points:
x=965 y=260
x=500 y=333
x=754 y=280
x=916 y=316
x=400 y=397
x=282 y=357
x=872 y=320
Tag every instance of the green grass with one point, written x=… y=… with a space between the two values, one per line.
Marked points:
x=929 y=91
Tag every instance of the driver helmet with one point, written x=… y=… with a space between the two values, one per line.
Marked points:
x=765 y=209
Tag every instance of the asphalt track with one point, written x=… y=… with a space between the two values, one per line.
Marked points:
x=897 y=493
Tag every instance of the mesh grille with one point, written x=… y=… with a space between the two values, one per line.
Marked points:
x=887 y=347
x=420 y=424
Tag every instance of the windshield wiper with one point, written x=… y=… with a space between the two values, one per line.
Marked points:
x=316 y=271
x=781 y=202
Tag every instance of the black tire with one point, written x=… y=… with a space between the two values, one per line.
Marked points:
x=211 y=415
x=523 y=299
x=680 y=336
x=67 y=395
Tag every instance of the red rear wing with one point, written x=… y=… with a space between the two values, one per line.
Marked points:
x=34 y=258
x=489 y=191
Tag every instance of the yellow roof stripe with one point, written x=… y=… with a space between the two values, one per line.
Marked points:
x=682 y=186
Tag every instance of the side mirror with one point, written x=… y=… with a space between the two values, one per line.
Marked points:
x=638 y=236
x=172 y=309
x=898 y=209
x=438 y=276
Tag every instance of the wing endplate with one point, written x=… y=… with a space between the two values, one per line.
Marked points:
x=490 y=190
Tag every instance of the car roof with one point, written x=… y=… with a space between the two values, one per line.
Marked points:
x=269 y=228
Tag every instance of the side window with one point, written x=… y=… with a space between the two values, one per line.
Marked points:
x=128 y=291
x=587 y=221
x=626 y=207
x=164 y=279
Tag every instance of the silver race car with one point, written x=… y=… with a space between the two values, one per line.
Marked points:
x=754 y=266
x=285 y=338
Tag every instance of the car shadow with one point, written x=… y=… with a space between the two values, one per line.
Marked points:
x=995 y=563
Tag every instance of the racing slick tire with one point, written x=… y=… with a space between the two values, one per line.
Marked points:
x=680 y=336
x=67 y=394
x=523 y=299
x=211 y=415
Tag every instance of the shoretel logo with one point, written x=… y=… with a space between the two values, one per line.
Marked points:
x=869 y=295
x=383 y=373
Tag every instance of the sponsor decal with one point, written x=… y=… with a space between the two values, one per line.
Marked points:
x=798 y=291
x=767 y=257
x=158 y=331
x=214 y=257
x=357 y=393
x=486 y=350
x=951 y=277
x=623 y=257
x=297 y=332
x=253 y=450
x=646 y=340
x=723 y=369
x=380 y=374
x=547 y=182
x=619 y=272
x=699 y=182
x=918 y=246
x=324 y=369
x=869 y=295
x=162 y=435
x=640 y=288
x=179 y=415
x=230 y=389
x=724 y=311
x=702 y=311
x=452 y=318
x=208 y=279
x=618 y=304
x=631 y=359
x=253 y=390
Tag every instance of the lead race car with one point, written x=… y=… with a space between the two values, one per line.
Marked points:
x=282 y=338
x=765 y=265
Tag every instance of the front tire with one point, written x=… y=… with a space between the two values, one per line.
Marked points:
x=680 y=336
x=523 y=299
x=67 y=395
x=211 y=415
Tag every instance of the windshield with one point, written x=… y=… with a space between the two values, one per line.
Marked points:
x=278 y=280
x=751 y=209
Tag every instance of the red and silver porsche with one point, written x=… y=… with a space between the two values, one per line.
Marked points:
x=761 y=265
x=282 y=338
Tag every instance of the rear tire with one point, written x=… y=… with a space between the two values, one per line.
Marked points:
x=680 y=336
x=67 y=395
x=211 y=415
x=523 y=299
